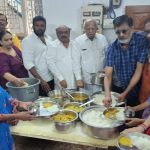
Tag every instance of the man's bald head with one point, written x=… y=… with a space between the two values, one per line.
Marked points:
x=90 y=28
x=63 y=33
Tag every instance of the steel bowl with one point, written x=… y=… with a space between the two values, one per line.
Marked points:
x=103 y=132
x=66 y=126
x=80 y=97
x=98 y=78
x=59 y=96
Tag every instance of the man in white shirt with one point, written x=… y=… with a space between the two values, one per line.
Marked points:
x=90 y=55
x=34 y=50
x=59 y=59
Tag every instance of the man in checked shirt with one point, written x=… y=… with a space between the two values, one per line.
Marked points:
x=126 y=55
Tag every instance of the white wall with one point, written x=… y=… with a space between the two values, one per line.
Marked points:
x=58 y=12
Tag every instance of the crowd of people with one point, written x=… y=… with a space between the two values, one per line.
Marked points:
x=69 y=64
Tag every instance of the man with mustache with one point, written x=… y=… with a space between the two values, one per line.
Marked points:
x=59 y=59
x=34 y=50
x=126 y=55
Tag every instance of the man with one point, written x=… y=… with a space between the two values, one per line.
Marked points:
x=34 y=50
x=90 y=55
x=145 y=85
x=126 y=55
x=59 y=59
x=3 y=24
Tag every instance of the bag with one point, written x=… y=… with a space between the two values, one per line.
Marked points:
x=145 y=84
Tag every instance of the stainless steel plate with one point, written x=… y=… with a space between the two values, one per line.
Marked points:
x=44 y=107
x=139 y=140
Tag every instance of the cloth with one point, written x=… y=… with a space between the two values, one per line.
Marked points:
x=6 y=140
x=146 y=112
x=145 y=84
x=12 y=65
x=89 y=57
x=59 y=60
x=16 y=41
x=33 y=52
x=125 y=61
x=147 y=131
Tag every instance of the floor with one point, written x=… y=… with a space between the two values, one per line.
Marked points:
x=22 y=143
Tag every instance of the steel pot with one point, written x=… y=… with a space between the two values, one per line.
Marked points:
x=67 y=125
x=97 y=78
x=102 y=132
x=80 y=97
x=29 y=93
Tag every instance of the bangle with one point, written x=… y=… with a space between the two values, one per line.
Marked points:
x=143 y=126
x=1 y=117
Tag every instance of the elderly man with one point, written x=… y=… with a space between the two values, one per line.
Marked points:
x=59 y=59
x=127 y=55
x=3 y=24
x=89 y=56
x=34 y=50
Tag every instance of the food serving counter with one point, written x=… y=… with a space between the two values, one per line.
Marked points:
x=45 y=129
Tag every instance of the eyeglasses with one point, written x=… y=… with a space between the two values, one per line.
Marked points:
x=118 y=32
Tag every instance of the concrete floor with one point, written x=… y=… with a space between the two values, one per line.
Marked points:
x=23 y=143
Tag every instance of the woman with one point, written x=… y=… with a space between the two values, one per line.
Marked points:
x=11 y=63
x=7 y=108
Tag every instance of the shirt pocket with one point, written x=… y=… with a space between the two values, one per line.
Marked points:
x=84 y=54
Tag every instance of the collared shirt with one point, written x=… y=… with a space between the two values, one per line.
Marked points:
x=59 y=61
x=89 y=57
x=125 y=60
x=34 y=51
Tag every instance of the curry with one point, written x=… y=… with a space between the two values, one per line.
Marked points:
x=63 y=117
x=47 y=104
x=79 y=97
x=74 y=107
x=125 y=141
x=111 y=113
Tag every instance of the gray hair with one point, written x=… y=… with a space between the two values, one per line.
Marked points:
x=63 y=26
x=89 y=20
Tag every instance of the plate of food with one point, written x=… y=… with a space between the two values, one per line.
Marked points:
x=99 y=96
x=134 y=141
x=44 y=107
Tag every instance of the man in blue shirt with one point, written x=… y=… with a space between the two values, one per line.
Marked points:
x=126 y=55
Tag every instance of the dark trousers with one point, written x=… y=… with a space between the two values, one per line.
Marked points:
x=42 y=92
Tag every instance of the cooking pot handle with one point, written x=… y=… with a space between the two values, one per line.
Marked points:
x=30 y=91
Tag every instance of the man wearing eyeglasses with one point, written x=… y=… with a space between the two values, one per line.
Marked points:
x=126 y=55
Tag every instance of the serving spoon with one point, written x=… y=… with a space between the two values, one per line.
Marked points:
x=68 y=93
x=90 y=101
